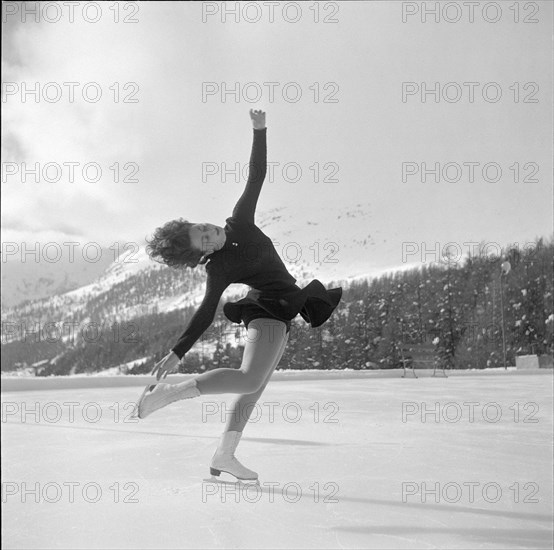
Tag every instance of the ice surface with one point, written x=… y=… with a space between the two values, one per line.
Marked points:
x=364 y=458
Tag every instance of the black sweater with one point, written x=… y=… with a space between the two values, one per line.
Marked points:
x=249 y=257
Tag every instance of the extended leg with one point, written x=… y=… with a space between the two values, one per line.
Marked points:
x=263 y=346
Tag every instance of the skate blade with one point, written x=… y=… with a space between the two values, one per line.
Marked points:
x=236 y=483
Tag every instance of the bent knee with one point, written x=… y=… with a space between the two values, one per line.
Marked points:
x=250 y=383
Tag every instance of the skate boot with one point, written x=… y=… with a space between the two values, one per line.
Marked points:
x=224 y=459
x=157 y=396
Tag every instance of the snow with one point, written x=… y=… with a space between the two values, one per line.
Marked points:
x=124 y=366
x=363 y=461
x=124 y=267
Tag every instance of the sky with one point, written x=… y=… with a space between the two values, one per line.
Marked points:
x=350 y=125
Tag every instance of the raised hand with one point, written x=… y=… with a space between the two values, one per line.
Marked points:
x=258 y=119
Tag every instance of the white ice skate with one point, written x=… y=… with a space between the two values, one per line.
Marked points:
x=224 y=460
x=156 y=396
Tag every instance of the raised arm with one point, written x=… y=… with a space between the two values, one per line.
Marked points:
x=246 y=205
x=203 y=317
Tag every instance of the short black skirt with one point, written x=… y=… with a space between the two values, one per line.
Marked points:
x=314 y=303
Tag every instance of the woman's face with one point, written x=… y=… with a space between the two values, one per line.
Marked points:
x=207 y=237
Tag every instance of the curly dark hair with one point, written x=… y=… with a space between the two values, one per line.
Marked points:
x=171 y=245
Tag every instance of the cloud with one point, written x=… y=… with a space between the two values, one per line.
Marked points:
x=170 y=132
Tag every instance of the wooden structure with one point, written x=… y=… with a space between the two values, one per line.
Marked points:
x=419 y=355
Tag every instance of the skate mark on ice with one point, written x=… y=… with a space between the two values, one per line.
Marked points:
x=98 y=429
x=449 y=508
x=291 y=441
x=516 y=538
x=193 y=436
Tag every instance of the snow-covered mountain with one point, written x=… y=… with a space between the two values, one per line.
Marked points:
x=25 y=278
x=332 y=246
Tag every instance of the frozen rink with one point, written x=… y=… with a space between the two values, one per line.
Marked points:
x=344 y=480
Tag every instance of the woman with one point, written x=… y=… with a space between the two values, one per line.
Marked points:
x=236 y=253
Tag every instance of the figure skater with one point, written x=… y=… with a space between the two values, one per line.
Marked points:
x=237 y=253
